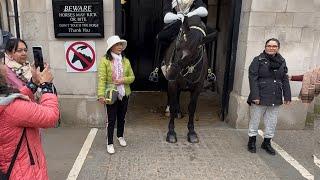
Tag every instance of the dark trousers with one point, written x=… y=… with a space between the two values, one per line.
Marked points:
x=116 y=112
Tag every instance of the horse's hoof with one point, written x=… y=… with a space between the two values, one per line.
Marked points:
x=171 y=137
x=193 y=137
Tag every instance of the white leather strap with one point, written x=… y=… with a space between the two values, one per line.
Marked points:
x=198 y=28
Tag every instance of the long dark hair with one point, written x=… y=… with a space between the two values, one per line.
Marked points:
x=5 y=89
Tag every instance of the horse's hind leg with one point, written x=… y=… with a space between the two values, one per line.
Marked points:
x=172 y=93
x=192 y=135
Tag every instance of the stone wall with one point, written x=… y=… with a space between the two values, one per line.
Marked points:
x=292 y=22
x=77 y=91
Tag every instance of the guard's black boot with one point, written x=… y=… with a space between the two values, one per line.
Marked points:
x=252 y=144
x=266 y=145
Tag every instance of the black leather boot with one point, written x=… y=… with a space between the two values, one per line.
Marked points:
x=266 y=145
x=252 y=144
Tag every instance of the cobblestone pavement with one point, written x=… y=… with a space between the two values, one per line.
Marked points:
x=220 y=154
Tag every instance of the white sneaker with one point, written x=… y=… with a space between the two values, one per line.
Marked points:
x=122 y=141
x=110 y=148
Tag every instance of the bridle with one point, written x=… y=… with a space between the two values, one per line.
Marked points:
x=191 y=68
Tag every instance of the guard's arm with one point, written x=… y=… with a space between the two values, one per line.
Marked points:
x=200 y=11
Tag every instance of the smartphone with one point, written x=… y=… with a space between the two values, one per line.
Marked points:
x=38 y=57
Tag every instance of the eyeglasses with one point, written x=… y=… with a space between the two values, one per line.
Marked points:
x=20 y=50
x=271 y=46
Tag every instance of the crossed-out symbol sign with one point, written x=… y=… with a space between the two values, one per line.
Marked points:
x=80 y=56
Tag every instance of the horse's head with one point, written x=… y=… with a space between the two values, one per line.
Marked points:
x=186 y=47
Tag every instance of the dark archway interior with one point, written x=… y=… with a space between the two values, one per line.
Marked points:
x=140 y=21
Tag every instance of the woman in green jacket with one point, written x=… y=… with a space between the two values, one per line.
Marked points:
x=114 y=69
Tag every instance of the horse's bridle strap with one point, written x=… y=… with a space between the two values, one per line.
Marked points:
x=190 y=69
x=198 y=28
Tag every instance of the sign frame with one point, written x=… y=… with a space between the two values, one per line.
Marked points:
x=78 y=18
x=70 y=48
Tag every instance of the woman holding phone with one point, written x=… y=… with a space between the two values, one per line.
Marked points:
x=21 y=119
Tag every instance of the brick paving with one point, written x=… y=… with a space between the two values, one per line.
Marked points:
x=220 y=154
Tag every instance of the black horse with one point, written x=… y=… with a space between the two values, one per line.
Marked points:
x=186 y=65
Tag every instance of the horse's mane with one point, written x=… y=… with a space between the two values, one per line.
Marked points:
x=194 y=38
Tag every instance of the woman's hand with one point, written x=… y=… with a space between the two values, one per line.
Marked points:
x=102 y=100
x=256 y=101
x=45 y=75
x=119 y=81
x=35 y=75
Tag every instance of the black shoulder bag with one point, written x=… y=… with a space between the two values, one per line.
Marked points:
x=6 y=176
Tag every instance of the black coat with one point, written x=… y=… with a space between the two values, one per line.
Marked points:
x=267 y=86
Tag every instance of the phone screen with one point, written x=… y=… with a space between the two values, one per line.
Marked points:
x=38 y=57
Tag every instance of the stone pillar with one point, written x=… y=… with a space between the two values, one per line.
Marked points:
x=290 y=21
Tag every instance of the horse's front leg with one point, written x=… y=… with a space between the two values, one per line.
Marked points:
x=167 y=111
x=178 y=113
x=172 y=93
x=192 y=135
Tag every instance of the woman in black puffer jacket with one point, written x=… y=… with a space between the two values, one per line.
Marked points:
x=269 y=88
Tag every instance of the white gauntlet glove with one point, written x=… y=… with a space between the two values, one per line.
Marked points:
x=170 y=17
x=200 y=11
x=181 y=16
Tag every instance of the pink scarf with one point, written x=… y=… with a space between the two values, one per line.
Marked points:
x=117 y=73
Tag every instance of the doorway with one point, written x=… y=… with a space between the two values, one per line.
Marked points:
x=139 y=21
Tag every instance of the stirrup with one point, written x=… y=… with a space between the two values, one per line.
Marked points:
x=154 y=76
x=211 y=77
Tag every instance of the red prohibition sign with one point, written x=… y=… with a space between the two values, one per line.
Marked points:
x=76 y=53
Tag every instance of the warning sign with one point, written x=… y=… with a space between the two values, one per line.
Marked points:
x=80 y=56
